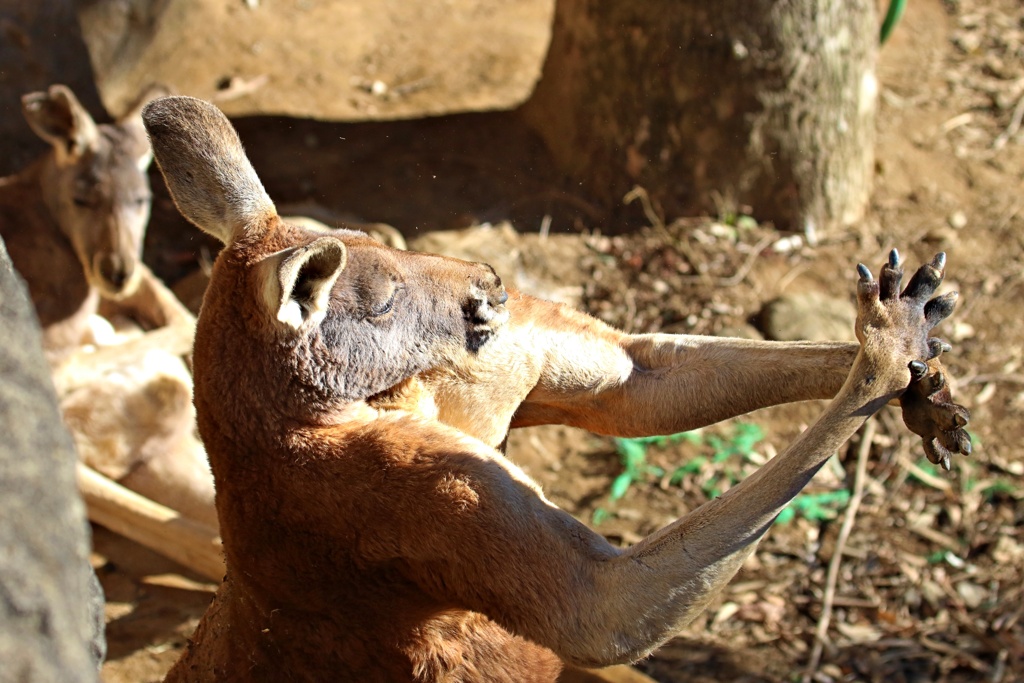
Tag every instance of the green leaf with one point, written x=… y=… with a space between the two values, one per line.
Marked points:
x=621 y=485
x=786 y=516
x=600 y=514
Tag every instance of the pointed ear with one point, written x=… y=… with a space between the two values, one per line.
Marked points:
x=297 y=282
x=211 y=180
x=57 y=117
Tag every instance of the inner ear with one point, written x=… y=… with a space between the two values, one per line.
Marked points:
x=302 y=278
x=57 y=117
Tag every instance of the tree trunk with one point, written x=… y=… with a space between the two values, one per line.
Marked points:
x=716 y=106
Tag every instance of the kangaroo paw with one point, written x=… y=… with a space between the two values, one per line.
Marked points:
x=899 y=323
x=929 y=412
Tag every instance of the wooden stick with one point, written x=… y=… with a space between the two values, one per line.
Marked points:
x=189 y=543
x=832 y=578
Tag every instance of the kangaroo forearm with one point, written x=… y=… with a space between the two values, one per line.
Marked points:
x=155 y=305
x=665 y=581
x=675 y=383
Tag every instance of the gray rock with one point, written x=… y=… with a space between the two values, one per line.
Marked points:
x=811 y=317
x=51 y=615
x=342 y=61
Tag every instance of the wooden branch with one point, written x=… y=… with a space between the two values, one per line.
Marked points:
x=161 y=529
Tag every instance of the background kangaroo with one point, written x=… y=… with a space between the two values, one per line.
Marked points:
x=74 y=220
x=366 y=539
x=74 y=223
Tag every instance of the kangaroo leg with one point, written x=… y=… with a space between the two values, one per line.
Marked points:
x=567 y=588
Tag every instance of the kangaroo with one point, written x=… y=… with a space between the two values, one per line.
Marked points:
x=73 y=223
x=74 y=220
x=351 y=398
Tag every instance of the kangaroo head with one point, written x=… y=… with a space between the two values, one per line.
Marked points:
x=299 y=322
x=95 y=185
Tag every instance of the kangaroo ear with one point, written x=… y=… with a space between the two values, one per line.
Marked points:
x=57 y=117
x=297 y=282
x=211 y=180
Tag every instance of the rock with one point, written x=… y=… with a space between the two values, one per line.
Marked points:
x=811 y=317
x=32 y=59
x=342 y=61
x=51 y=609
x=740 y=330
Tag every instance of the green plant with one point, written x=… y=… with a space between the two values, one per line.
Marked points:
x=719 y=462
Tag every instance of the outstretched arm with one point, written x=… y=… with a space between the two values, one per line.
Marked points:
x=503 y=550
x=592 y=376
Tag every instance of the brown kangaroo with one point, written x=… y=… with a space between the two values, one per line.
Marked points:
x=351 y=396
x=74 y=223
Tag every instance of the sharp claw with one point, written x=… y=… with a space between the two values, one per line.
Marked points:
x=894 y=258
x=937 y=347
x=864 y=273
x=917 y=370
x=940 y=308
x=939 y=262
x=964 y=442
x=945 y=461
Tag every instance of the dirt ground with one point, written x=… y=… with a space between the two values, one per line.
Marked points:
x=930 y=582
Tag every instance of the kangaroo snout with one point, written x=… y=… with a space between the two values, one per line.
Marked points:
x=114 y=274
x=484 y=309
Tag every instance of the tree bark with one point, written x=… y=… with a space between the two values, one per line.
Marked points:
x=716 y=106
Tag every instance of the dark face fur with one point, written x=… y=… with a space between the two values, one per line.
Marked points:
x=393 y=314
x=102 y=206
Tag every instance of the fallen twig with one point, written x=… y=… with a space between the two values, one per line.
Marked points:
x=821 y=633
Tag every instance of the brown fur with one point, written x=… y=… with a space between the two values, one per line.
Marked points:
x=371 y=530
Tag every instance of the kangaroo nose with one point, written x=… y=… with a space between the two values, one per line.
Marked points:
x=115 y=270
x=481 y=311
x=493 y=285
x=486 y=298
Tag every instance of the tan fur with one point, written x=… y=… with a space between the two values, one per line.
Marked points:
x=74 y=223
x=74 y=220
x=372 y=531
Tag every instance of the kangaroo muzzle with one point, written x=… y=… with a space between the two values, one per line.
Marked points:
x=484 y=310
x=116 y=274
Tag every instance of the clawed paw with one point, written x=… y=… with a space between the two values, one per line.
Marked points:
x=929 y=412
x=897 y=325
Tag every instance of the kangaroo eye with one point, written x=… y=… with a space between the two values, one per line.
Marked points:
x=385 y=307
x=81 y=202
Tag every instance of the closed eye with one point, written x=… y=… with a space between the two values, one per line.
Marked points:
x=385 y=307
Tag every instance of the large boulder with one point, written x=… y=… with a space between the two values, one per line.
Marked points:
x=40 y=45
x=342 y=61
x=51 y=626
